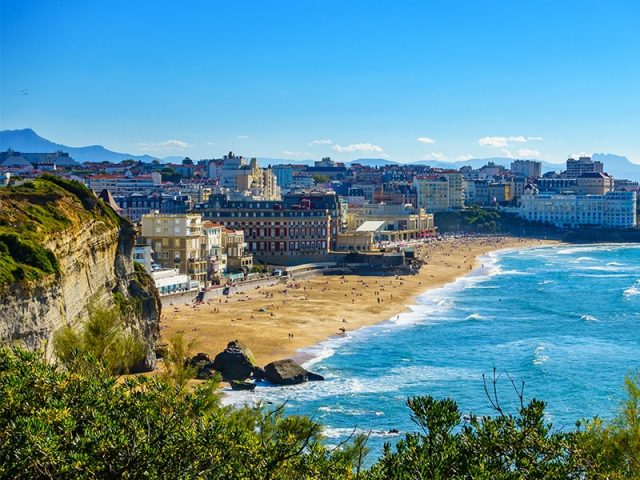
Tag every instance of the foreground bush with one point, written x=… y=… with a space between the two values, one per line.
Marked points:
x=58 y=423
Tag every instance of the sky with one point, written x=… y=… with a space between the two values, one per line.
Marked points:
x=403 y=80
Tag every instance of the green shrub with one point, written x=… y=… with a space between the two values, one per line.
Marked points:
x=29 y=253
x=104 y=339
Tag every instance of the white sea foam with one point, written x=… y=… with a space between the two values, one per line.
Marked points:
x=583 y=259
x=349 y=411
x=545 y=282
x=633 y=290
x=335 y=432
x=475 y=316
x=589 y=318
x=539 y=356
x=602 y=247
x=609 y=268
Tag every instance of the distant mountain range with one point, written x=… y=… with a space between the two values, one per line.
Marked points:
x=28 y=141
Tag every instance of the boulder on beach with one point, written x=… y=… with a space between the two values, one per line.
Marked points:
x=203 y=366
x=288 y=372
x=236 y=362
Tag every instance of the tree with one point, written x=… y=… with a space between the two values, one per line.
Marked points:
x=319 y=178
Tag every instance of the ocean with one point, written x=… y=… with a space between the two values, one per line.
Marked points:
x=564 y=319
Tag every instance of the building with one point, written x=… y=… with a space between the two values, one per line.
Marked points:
x=235 y=173
x=127 y=183
x=168 y=281
x=234 y=247
x=556 y=185
x=291 y=229
x=328 y=168
x=594 y=183
x=284 y=175
x=134 y=205
x=372 y=225
x=178 y=241
x=611 y=210
x=412 y=222
x=11 y=158
x=623 y=185
x=582 y=165
x=434 y=193
x=527 y=168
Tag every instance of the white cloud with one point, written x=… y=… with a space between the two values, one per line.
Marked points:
x=243 y=137
x=320 y=142
x=425 y=140
x=528 y=153
x=158 y=146
x=501 y=142
x=496 y=142
x=521 y=139
x=357 y=147
x=434 y=156
x=211 y=144
x=464 y=157
x=507 y=153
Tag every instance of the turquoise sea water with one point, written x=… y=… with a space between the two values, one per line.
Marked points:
x=564 y=319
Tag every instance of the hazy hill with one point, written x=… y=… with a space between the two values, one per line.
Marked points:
x=28 y=141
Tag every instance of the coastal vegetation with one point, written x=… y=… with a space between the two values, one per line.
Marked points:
x=35 y=212
x=60 y=421
x=103 y=338
x=489 y=220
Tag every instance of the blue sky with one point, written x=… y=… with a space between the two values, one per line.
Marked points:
x=306 y=79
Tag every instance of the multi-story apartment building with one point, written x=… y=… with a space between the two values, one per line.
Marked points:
x=527 y=168
x=432 y=193
x=234 y=247
x=440 y=192
x=178 y=241
x=582 y=165
x=612 y=210
x=284 y=175
x=456 y=189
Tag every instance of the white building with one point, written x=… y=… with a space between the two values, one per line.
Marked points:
x=127 y=183
x=168 y=281
x=612 y=210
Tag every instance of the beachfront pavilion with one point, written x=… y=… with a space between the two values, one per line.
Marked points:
x=372 y=233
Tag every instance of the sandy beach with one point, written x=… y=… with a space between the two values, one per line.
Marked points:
x=276 y=322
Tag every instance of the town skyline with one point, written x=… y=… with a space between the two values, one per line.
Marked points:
x=335 y=80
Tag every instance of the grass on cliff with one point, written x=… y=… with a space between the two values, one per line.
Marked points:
x=33 y=214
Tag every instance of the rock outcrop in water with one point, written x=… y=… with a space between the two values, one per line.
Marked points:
x=63 y=251
x=288 y=372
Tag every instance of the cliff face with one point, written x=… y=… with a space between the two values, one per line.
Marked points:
x=93 y=266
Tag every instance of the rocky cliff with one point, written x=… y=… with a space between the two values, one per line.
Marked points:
x=63 y=251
